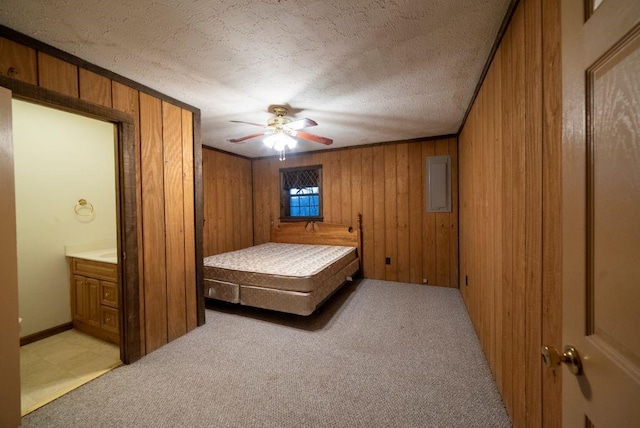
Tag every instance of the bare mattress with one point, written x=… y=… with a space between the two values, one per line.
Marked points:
x=293 y=278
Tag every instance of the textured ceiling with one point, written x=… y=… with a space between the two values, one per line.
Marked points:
x=366 y=71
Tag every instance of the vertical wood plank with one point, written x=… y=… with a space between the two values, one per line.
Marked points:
x=18 y=61
x=327 y=187
x=247 y=206
x=335 y=173
x=218 y=228
x=507 y=216
x=379 y=212
x=229 y=193
x=416 y=190
x=533 y=207
x=126 y=99
x=488 y=218
x=208 y=168
x=402 y=202
x=519 y=220
x=95 y=88
x=453 y=217
x=174 y=220
x=234 y=194
x=496 y=72
x=368 y=253
x=551 y=203
x=465 y=168
x=260 y=198
x=345 y=187
x=57 y=75
x=442 y=233
x=391 y=211
x=429 y=223
x=479 y=271
x=189 y=220
x=274 y=188
x=152 y=173
x=356 y=186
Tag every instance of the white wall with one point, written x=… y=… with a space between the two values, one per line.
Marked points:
x=59 y=158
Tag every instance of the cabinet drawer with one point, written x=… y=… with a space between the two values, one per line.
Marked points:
x=109 y=319
x=109 y=294
x=107 y=271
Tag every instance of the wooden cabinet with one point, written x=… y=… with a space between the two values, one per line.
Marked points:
x=94 y=298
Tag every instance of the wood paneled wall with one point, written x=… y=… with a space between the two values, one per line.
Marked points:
x=386 y=183
x=510 y=213
x=228 y=202
x=165 y=184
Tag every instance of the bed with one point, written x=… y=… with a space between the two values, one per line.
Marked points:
x=297 y=271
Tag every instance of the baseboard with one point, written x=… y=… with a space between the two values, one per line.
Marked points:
x=45 y=333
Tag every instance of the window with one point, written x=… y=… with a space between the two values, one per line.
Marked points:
x=301 y=193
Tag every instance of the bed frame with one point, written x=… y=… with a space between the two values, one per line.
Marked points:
x=295 y=302
x=318 y=233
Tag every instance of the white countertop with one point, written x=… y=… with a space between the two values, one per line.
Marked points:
x=106 y=255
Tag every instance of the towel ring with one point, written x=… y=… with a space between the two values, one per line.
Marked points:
x=82 y=203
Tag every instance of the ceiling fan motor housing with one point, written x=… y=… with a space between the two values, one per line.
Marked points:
x=279 y=121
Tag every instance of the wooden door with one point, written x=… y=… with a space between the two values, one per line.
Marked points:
x=601 y=211
x=9 y=329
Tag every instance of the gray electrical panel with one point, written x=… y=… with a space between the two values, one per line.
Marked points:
x=439 y=184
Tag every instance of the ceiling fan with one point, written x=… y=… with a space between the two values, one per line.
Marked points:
x=282 y=131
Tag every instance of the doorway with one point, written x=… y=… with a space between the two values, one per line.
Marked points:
x=127 y=246
x=61 y=158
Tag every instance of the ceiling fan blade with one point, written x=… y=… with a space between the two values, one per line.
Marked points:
x=248 y=123
x=314 y=138
x=301 y=124
x=242 y=139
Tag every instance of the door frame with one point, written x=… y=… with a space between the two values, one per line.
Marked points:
x=127 y=225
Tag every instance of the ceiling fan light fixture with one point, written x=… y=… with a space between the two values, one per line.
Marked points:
x=281 y=132
x=291 y=142
x=279 y=141
x=269 y=141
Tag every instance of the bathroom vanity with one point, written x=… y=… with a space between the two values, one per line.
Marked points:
x=94 y=295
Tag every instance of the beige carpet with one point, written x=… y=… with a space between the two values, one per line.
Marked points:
x=379 y=354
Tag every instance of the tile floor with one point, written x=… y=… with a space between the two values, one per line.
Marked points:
x=53 y=366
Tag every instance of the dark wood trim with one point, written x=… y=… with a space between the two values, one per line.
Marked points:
x=28 y=41
x=199 y=215
x=215 y=149
x=360 y=146
x=496 y=44
x=45 y=333
x=589 y=6
x=38 y=95
x=130 y=349
x=253 y=208
x=126 y=189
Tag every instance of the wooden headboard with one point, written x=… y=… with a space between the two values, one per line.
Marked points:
x=319 y=233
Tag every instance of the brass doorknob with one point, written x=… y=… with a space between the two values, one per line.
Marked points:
x=552 y=358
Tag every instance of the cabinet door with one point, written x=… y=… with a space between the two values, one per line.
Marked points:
x=109 y=319
x=93 y=301
x=79 y=302
x=109 y=293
